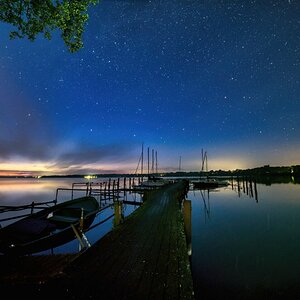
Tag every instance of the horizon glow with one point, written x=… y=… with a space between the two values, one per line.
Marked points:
x=178 y=76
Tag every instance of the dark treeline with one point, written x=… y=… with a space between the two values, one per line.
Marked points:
x=283 y=173
x=266 y=170
x=265 y=174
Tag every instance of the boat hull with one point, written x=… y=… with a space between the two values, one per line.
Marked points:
x=48 y=228
x=208 y=184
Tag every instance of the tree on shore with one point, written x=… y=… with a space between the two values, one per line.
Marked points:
x=32 y=17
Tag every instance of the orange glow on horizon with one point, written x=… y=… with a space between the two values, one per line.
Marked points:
x=168 y=164
x=44 y=169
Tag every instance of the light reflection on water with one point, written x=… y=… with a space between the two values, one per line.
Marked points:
x=243 y=248
x=16 y=192
x=24 y=191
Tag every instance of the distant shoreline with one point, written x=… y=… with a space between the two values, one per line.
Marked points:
x=264 y=171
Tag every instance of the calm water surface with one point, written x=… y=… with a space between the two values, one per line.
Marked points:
x=243 y=248
x=16 y=192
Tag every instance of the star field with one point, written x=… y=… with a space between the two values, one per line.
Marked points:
x=177 y=76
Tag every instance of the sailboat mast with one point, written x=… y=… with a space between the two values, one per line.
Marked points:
x=142 y=166
x=152 y=166
x=179 y=163
x=148 y=161
x=202 y=156
x=156 y=162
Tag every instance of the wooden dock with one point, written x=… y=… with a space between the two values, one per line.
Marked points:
x=145 y=257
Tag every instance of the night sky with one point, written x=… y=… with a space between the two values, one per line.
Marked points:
x=178 y=76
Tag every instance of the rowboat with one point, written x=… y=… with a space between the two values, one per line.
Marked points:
x=50 y=227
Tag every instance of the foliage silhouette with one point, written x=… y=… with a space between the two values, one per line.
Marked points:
x=32 y=17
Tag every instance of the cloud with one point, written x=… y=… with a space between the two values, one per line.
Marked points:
x=23 y=132
x=84 y=154
x=83 y=170
x=26 y=135
x=81 y=159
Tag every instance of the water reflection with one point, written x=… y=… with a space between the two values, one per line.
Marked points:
x=206 y=203
x=245 y=241
x=244 y=249
x=17 y=192
x=247 y=186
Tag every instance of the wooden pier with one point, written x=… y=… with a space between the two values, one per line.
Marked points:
x=143 y=257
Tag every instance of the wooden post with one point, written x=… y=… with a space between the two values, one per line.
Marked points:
x=87 y=188
x=124 y=186
x=91 y=187
x=118 y=207
x=81 y=220
x=72 y=191
x=100 y=192
x=105 y=190
x=255 y=191
x=251 y=190
x=187 y=217
x=109 y=185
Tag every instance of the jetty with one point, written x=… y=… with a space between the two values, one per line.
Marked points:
x=145 y=256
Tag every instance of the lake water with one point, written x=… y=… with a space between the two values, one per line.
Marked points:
x=243 y=247
x=17 y=192
x=246 y=248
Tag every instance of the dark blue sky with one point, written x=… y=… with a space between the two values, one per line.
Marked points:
x=177 y=76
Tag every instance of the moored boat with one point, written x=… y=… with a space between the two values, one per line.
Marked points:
x=209 y=184
x=49 y=228
x=153 y=182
